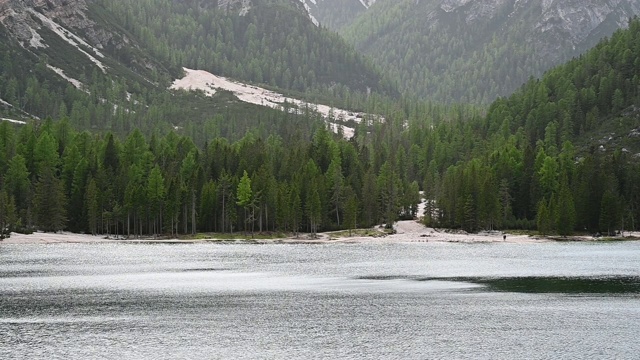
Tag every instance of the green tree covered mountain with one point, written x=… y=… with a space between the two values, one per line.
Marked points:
x=476 y=50
x=336 y=14
x=108 y=65
x=561 y=154
x=269 y=42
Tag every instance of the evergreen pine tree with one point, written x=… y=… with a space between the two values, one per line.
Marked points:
x=91 y=198
x=565 y=211
x=8 y=215
x=351 y=210
x=543 y=218
x=245 y=196
x=156 y=198
x=50 y=202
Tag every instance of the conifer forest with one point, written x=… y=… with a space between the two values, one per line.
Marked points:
x=125 y=157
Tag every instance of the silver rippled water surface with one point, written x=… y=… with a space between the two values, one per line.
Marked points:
x=347 y=301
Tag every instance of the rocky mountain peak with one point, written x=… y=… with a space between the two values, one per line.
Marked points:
x=242 y=7
x=572 y=22
x=367 y=3
x=19 y=17
x=554 y=24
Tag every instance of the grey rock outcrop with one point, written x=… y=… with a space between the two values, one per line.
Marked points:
x=553 y=25
x=17 y=17
x=239 y=6
x=579 y=24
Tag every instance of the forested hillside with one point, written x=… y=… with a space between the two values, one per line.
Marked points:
x=336 y=14
x=91 y=62
x=474 y=51
x=561 y=154
x=31 y=91
x=55 y=178
x=274 y=43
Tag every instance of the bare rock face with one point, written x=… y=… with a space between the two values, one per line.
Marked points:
x=242 y=7
x=451 y=5
x=17 y=22
x=553 y=24
x=486 y=9
x=17 y=17
x=571 y=22
x=336 y=13
x=239 y=6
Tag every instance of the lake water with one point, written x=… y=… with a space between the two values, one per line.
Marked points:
x=347 y=301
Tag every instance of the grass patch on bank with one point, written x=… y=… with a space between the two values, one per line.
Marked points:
x=521 y=232
x=361 y=233
x=617 y=238
x=235 y=236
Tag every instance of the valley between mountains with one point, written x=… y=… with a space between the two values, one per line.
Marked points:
x=281 y=118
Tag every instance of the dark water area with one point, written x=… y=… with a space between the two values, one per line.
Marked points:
x=560 y=285
x=539 y=284
x=349 y=301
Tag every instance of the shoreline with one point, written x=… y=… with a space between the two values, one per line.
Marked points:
x=406 y=232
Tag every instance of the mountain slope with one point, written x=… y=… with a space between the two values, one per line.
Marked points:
x=270 y=42
x=560 y=154
x=335 y=14
x=476 y=50
x=108 y=65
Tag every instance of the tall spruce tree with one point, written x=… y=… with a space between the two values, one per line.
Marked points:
x=351 y=210
x=91 y=199
x=50 y=202
x=543 y=219
x=245 y=197
x=155 y=199
x=8 y=215
x=565 y=211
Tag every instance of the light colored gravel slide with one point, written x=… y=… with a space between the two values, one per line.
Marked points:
x=210 y=83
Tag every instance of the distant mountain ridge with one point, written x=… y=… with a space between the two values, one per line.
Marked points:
x=476 y=50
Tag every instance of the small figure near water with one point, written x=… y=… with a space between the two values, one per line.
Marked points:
x=504 y=237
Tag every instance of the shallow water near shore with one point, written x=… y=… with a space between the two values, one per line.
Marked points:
x=347 y=301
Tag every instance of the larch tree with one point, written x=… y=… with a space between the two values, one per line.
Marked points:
x=208 y=197
x=543 y=218
x=155 y=199
x=295 y=205
x=388 y=195
x=314 y=210
x=245 y=197
x=351 y=210
x=8 y=215
x=50 y=202
x=225 y=191
x=18 y=185
x=91 y=198
x=46 y=153
x=336 y=186
x=188 y=174
x=609 y=211
x=565 y=211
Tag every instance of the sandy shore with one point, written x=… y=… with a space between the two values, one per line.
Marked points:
x=406 y=232
x=52 y=238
